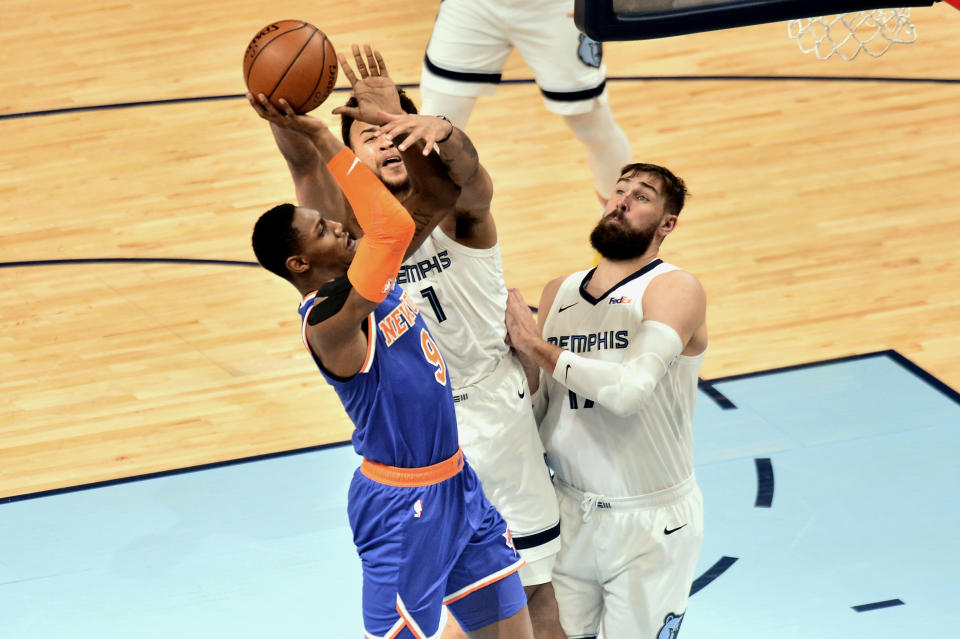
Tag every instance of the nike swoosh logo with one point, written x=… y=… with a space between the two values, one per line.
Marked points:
x=563 y=308
x=356 y=161
x=667 y=531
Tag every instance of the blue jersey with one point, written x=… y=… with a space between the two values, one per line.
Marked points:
x=400 y=401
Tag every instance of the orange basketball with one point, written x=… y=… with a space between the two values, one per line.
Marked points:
x=293 y=60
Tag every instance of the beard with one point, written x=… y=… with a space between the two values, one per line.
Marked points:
x=397 y=187
x=619 y=241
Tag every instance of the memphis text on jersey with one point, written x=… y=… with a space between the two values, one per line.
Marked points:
x=399 y=320
x=418 y=271
x=594 y=341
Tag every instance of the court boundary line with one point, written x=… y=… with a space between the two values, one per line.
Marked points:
x=513 y=81
x=126 y=260
x=892 y=354
x=910 y=366
x=169 y=473
x=718 y=398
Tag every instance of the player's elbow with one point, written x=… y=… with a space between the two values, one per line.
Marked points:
x=392 y=233
x=624 y=407
x=446 y=194
x=405 y=232
x=407 y=225
x=628 y=398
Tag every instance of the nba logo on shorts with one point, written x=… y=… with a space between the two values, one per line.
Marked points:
x=509 y=539
x=418 y=508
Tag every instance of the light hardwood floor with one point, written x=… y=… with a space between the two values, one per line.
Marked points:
x=825 y=218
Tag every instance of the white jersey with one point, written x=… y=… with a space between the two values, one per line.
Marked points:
x=591 y=448
x=462 y=297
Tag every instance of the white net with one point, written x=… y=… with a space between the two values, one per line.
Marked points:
x=847 y=34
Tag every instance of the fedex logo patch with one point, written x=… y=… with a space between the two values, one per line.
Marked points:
x=620 y=300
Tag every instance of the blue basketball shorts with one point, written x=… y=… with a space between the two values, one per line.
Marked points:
x=428 y=537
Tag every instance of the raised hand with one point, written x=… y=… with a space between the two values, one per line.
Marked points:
x=286 y=118
x=374 y=90
x=428 y=128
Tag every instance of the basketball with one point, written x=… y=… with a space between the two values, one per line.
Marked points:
x=293 y=60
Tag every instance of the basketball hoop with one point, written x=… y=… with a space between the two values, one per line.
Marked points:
x=847 y=34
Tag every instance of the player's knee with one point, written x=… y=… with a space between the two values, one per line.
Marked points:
x=452 y=630
x=543 y=609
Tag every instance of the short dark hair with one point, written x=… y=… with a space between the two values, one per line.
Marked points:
x=674 y=188
x=275 y=238
x=346 y=121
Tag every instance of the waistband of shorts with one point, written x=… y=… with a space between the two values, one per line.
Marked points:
x=412 y=477
x=507 y=366
x=663 y=497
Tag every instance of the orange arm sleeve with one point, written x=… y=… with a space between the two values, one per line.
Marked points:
x=387 y=227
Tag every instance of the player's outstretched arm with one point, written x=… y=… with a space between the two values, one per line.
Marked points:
x=306 y=144
x=416 y=136
x=372 y=86
x=433 y=194
x=326 y=144
x=623 y=387
x=312 y=182
x=336 y=335
x=473 y=223
x=455 y=148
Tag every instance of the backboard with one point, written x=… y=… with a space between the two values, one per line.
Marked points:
x=606 y=20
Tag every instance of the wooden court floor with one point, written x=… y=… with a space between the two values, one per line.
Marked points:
x=824 y=221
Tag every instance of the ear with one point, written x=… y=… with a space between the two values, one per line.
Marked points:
x=297 y=264
x=667 y=224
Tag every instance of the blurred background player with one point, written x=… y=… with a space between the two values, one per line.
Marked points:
x=455 y=279
x=620 y=354
x=426 y=535
x=470 y=43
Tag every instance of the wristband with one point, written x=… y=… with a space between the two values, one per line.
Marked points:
x=444 y=118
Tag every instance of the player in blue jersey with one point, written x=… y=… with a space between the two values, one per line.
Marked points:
x=455 y=278
x=426 y=534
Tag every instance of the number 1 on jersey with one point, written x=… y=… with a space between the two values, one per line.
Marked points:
x=432 y=353
x=431 y=296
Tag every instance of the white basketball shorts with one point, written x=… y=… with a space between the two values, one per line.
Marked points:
x=471 y=40
x=499 y=437
x=626 y=565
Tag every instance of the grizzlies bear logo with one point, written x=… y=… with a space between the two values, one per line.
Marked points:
x=590 y=51
x=671 y=626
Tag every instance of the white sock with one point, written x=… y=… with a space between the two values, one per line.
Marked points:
x=608 y=149
x=456 y=108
